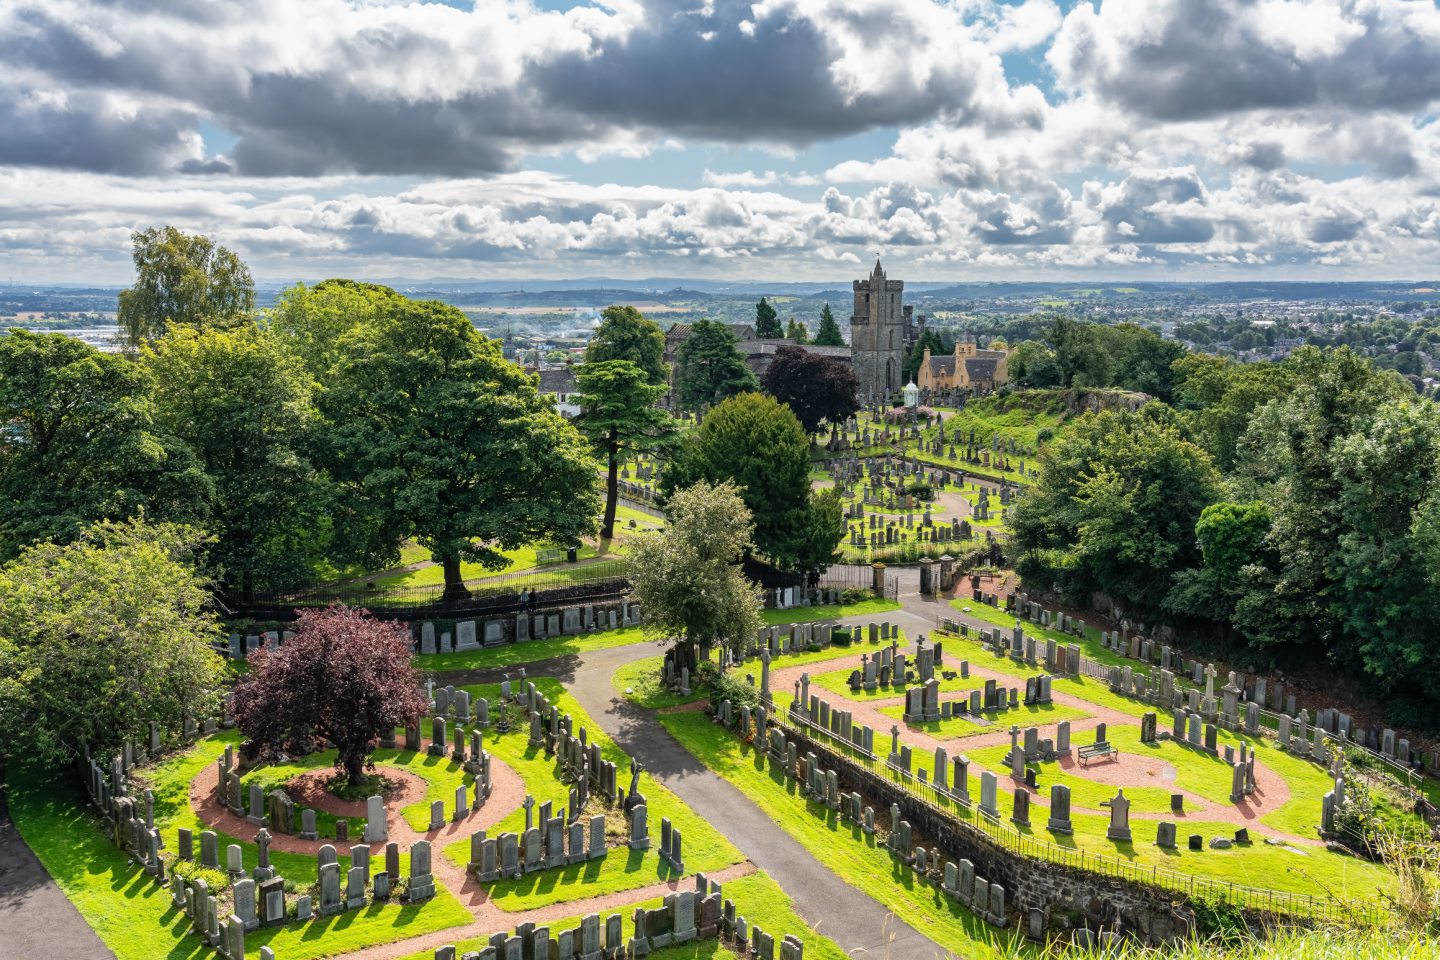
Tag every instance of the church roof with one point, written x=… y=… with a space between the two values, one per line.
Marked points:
x=943 y=366
x=742 y=331
x=980 y=368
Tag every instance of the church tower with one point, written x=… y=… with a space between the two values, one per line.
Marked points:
x=878 y=335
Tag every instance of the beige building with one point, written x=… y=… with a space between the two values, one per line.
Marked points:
x=968 y=368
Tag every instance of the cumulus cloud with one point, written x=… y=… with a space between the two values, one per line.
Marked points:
x=424 y=88
x=1191 y=59
x=369 y=135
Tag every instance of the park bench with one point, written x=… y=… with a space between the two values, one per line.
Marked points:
x=1090 y=751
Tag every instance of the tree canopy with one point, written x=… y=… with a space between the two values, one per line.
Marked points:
x=688 y=577
x=828 y=333
x=625 y=333
x=1115 y=507
x=816 y=388
x=184 y=279
x=310 y=321
x=79 y=443
x=755 y=441
x=433 y=436
x=796 y=332
x=618 y=417
x=709 y=368
x=342 y=675
x=101 y=637
x=767 y=321
x=243 y=406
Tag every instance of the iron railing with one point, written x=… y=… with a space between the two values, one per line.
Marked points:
x=969 y=817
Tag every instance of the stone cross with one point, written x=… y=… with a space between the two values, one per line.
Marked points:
x=529 y=805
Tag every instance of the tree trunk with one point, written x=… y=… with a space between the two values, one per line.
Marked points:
x=612 y=488
x=454 y=580
x=355 y=769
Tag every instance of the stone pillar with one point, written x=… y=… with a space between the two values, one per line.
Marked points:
x=877 y=583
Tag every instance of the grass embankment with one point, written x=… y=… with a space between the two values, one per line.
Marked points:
x=705 y=849
x=529 y=651
x=844 y=848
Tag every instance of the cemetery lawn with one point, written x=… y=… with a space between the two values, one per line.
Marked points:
x=860 y=860
x=1089 y=644
x=134 y=917
x=960 y=726
x=757 y=898
x=705 y=848
x=647 y=689
x=528 y=651
x=522 y=559
x=829 y=611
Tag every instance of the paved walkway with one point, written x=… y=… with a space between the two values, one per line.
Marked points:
x=858 y=924
x=36 y=918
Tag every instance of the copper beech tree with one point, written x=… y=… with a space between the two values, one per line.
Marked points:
x=343 y=676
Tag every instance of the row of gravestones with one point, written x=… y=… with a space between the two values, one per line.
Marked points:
x=1252 y=692
x=682 y=917
x=570 y=621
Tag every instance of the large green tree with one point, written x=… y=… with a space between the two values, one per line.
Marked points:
x=795 y=331
x=435 y=437
x=828 y=334
x=1033 y=365
x=767 y=321
x=102 y=636
x=310 y=321
x=78 y=443
x=709 y=368
x=243 y=405
x=185 y=279
x=618 y=417
x=625 y=333
x=688 y=577
x=757 y=442
x=1115 y=506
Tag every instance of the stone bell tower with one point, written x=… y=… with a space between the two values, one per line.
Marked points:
x=879 y=330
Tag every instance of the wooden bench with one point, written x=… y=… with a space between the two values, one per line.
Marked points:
x=1092 y=750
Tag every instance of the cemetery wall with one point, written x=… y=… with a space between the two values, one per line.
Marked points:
x=1152 y=914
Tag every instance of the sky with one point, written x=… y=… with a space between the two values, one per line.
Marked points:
x=779 y=139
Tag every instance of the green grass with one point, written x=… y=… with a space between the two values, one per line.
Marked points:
x=757 y=898
x=829 y=611
x=639 y=682
x=705 y=848
x=134 y=917
x=524 y=558
x=1089 y=645
x=529 y=651
x=960 y=726
x=843 y=848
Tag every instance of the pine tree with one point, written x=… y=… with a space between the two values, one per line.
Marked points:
x=795 y=330
x=767 y=321
x=829 y=333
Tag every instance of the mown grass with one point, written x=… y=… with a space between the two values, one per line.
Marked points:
x=828 y=611
x=529 y=651
x=858 y=859
x=134 y=917
x=705 y=848
x=960 y=725
x=523 y=558
x=758 y=899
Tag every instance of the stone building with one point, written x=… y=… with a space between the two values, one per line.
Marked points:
x=881 y=332
x=758 y=353
x=969 y=368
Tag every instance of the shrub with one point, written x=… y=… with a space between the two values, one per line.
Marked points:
x=728 y=687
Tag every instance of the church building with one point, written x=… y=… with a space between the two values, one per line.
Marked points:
x=970 y=368
x=881 y=332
